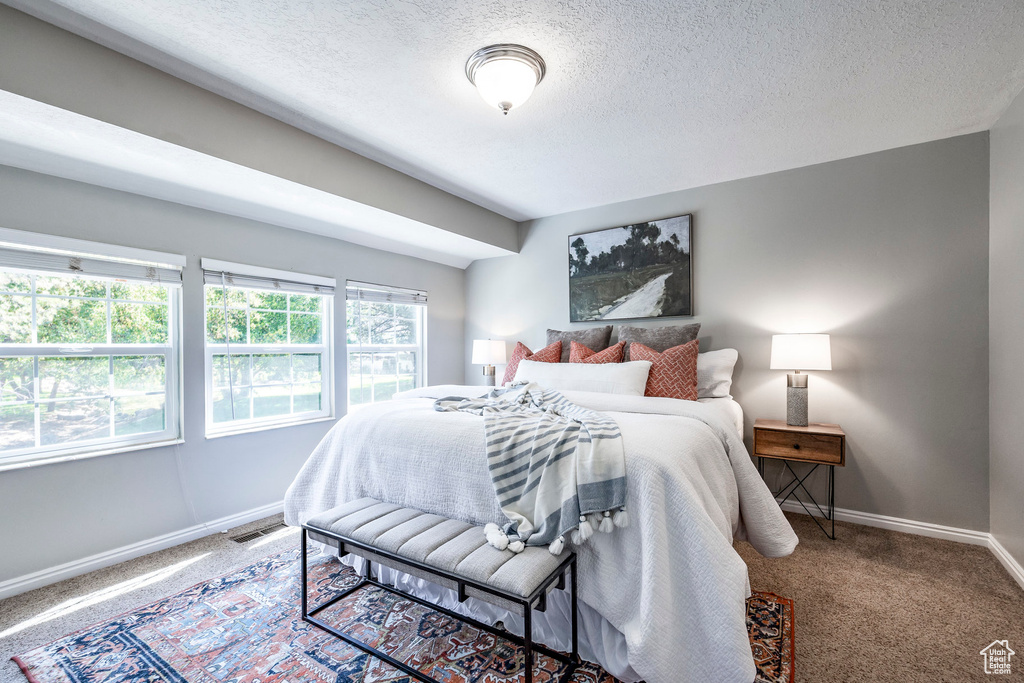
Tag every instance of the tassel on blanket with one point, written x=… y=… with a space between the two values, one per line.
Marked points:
x=496 y=537
x=621 y=519
x=585 y=531
x=500 y=540
x=557 y=545
x=606 y=526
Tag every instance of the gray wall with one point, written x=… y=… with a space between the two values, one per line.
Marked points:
x=886 y=252
x=67 y=511
x=1006 y=325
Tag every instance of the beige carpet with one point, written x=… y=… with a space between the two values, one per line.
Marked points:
x=873 y=605
x=878 y=605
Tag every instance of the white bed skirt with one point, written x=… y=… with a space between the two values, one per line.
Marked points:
x=599 y=641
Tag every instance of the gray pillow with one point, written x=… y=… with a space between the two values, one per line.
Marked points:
x=658 y=338
x=595 y=339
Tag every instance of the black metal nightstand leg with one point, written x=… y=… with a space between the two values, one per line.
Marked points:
x=832 y=498
x=797 y=483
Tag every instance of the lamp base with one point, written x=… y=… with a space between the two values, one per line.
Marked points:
x=489 y=375
x=796 y=406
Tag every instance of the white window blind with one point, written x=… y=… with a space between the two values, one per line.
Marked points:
x=253 y=277
x=70 y=257
x=84 y=266
x=363 y=291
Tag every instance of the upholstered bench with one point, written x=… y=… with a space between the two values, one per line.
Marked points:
x=447 y=552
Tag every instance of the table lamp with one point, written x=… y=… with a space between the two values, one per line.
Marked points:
x=806 y=352
x=488 y=352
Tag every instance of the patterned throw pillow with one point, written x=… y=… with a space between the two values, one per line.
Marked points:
x=582 y=354
x=673 y=371
x=658 y=338
x=552 y=353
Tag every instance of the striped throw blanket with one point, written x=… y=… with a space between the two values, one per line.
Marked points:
x=556 y=467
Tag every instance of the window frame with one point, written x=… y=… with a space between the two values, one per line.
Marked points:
x=420 y=349
x=173 y=432
x=325 y=349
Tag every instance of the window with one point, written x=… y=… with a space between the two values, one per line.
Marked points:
x=268 y=348
x=386 y=348
x=89 y=350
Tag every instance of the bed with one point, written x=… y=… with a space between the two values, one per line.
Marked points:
x=662 y=600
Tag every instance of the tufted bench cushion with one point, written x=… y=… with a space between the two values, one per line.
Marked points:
x=450 y=546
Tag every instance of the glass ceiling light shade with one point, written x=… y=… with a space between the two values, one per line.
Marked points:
x=505 y=75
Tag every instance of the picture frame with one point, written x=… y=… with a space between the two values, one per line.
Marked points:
x=636 y=271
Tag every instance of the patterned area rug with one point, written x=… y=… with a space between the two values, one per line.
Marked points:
x=245 y=628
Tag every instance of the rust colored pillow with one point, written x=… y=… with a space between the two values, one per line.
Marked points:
x=673 y=371
x=552 y=353
x=578 y=353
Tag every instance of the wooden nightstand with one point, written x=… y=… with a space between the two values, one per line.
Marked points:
x=818 y=444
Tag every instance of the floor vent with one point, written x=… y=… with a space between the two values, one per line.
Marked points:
x=259 y=533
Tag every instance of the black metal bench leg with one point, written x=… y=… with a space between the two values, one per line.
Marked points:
x=575 y=640
x=530 y=648
x=302 y=577
x=528 y=643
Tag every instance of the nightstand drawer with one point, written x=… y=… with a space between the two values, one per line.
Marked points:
x=797 y=446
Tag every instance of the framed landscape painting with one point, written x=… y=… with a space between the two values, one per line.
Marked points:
x=634 y=271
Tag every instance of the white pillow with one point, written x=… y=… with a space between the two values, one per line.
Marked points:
x=714 y=373
x=608 y=378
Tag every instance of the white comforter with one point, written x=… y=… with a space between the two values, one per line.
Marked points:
x=671 y=582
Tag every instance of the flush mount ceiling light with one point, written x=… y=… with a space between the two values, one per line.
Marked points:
x=505 y=75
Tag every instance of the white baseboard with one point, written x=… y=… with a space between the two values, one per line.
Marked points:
x=45 y=577
x=1006 y=559
x=909 y=526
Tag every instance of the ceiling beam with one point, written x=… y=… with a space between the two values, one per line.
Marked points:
x=52 y=66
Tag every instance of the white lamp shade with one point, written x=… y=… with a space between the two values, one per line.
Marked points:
x=801 y=352
x=488 y=352
x=505 y=83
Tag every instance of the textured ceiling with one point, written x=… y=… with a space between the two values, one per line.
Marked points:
x=640 y=98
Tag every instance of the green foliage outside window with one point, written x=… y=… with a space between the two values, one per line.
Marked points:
x=258 y=317
x=73 y=310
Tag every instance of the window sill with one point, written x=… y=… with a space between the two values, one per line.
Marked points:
x=52 y=459
x=249 y=429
